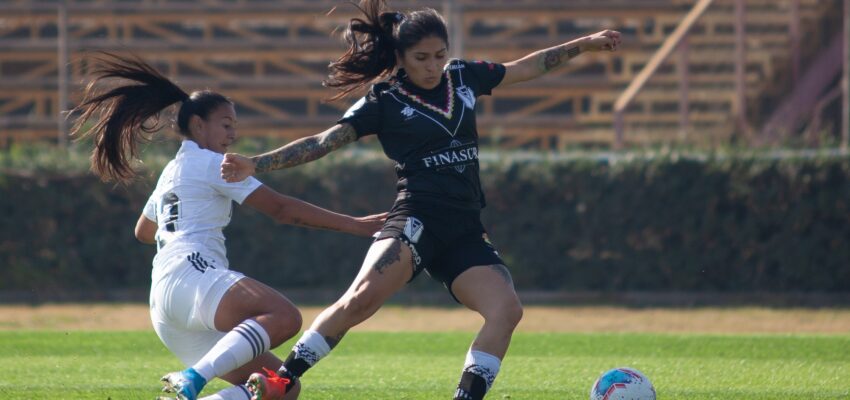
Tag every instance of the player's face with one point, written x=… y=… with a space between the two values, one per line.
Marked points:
x=218 y=131
x=424 y=62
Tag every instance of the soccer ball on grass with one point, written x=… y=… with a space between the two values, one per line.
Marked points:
x=622 y=384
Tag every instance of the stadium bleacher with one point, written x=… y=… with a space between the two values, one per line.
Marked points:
x=270 y=57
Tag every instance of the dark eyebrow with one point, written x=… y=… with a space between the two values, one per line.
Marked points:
x=425 y=53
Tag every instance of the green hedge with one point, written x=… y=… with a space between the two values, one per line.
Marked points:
x=732 y=224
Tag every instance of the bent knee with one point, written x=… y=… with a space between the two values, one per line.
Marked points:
x=284 y=325
x=512 y=313
x=507 y=314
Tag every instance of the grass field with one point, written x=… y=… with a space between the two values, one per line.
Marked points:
x=407 y=365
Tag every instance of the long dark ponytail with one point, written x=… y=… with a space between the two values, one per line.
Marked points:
x=128 y=114
x=374 y=40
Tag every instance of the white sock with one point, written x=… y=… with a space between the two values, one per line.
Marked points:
x=242 y=344
x=239 y=392
x=482 y=364
x=311 y=347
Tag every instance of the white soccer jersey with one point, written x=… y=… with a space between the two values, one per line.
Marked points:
x=192 y=204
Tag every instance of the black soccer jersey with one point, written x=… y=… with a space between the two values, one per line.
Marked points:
x=430 y=134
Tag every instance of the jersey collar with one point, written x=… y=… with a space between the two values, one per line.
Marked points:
x=401 y=76
x=188 y=145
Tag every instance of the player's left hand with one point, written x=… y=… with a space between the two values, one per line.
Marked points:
x=601 y=41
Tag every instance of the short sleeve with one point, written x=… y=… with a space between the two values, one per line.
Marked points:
x=486 y=74
x=237 y=191
x=150 y=209
x=364 y=115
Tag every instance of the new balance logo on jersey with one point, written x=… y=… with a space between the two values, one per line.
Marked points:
x=408 y=112
x=198 y=262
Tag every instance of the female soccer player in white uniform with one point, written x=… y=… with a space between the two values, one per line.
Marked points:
x=218 y=322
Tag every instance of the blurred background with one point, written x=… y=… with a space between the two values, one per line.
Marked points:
x=704 y=162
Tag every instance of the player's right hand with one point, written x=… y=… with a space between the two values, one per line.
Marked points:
x=370 y=224
x=236 y=167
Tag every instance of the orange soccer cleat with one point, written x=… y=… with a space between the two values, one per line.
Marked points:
x=267 y=387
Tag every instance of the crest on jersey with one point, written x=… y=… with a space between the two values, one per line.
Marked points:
x=467 y=96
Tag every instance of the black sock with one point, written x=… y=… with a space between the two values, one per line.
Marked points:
x=471 y=387
x=295 y=366
x=292 y=369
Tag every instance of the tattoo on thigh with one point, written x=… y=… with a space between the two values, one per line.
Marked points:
x=503 y=270
x=334 y=340
x=391 y=255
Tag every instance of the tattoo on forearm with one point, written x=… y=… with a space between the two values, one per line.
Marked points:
x=334 y=340
x=306 y=149
x=503 y=270
x=390 y=255
x=554 y=58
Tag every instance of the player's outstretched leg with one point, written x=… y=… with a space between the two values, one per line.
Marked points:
x=386 y=269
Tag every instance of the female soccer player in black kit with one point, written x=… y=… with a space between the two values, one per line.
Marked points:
x=424 y=115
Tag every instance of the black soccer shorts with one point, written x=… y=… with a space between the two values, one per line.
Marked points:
x=443 y=243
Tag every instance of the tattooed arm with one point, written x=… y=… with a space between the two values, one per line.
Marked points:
x=236 y=167
x=541 y=62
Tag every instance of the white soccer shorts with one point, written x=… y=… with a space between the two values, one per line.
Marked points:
x=183 y=302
